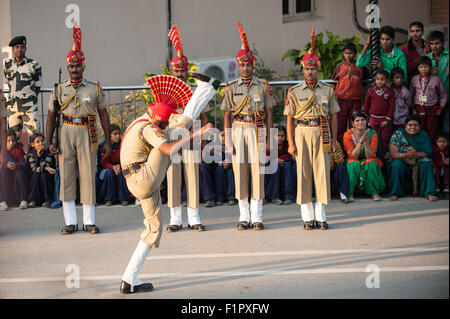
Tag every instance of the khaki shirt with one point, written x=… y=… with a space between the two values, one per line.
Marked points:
x=139 y=140
x=85 y=100
x=3 y=112
x=324 y=105
x=22 y=80
x=260 y=94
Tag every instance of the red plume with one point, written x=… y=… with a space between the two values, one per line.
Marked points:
x=76 y=37
x=313 y=41
x=243 y=34
x=174 y=36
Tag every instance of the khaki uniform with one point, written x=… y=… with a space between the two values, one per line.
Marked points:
x=191 y=177
x=313 y=145
x=140 y=144
x=248 y=107
x=77 y=138
x=3 y=112
x=22 y=80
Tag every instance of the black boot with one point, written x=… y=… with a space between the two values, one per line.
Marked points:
x=125 y=288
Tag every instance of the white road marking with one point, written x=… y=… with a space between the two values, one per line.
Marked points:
x=301 y=252
x=234 y=274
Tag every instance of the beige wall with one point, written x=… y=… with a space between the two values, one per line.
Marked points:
x=124 y=39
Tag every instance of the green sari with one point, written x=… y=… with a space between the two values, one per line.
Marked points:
x=366 y=174
x=422 y=170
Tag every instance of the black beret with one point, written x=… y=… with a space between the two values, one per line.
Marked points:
x=18 y=40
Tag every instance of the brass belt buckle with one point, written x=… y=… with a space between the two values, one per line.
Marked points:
x=312 y=123
x=76 y=120
x=248 y=118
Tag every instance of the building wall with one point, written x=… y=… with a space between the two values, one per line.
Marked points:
x=439 y=11
x=124 y=39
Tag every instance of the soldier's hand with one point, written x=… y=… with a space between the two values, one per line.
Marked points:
x=333 y=146
x=106 y=151
x=292 y=149
x=50 y=170
x=52 y=149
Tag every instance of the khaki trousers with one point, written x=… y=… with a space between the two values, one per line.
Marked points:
x=246 y=161
x=191 y=179
x=145 y=185
x=312 y=162
x=76 y=154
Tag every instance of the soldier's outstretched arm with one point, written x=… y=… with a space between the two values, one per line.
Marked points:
x=170 y=148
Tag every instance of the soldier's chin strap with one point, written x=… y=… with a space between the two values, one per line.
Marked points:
x=202 y=95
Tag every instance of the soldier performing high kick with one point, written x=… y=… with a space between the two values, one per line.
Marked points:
x=311 y=104
x=79 y=102
x=250 y=101
x=179 y=68
x=146 y=155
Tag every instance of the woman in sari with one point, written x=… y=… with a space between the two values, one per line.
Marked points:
x=411 y=153
x=363 y=164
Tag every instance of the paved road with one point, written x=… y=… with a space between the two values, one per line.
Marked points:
x=400 y=247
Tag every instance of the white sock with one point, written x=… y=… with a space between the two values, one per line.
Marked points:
x=319 y=212
x=256 y=210
x=202 y=95
x=70 y=213
x=307 y=212
x=343 y=196
x=175 y=216
x=135 y=264
x=244 y=210
x=193 y=216
x=88 y=214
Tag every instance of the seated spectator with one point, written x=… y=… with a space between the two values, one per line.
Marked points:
x=411 y=152
x=42 y=165
x=111 y=184
x=339 y=174
x=281 y=186
x=13 y=179
x=224 y=179
x=441 y=155
x=364 y=158
x=403 y=99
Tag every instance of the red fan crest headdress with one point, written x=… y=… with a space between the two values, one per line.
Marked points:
x=244 y=54
x=76 y=55
x=311 y=58
x=170 y=94
x=180 y=61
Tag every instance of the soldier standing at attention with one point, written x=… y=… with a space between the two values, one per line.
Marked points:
x=23 y=76
x=179 y=66
x=79 y=101
x=247 y=102
x=312 y=103
x=146 y=155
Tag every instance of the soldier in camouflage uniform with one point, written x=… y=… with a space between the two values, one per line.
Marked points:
x=23 y=76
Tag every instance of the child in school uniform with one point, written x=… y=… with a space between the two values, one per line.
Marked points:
x=380 y=104
x=13 y=178
x=111 y=186
x=429 y=96
x=440 y=160
x=42 y=165
x=403 y=99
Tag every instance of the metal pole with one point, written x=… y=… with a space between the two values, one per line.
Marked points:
x=169 y=25
x=374 y=42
